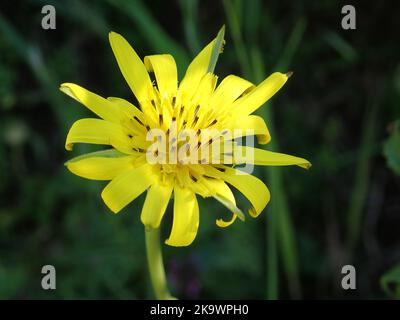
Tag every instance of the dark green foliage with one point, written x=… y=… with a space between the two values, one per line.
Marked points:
x=391 y=148
x=335 y=111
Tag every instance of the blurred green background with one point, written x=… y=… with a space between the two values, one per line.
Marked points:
x=339 y=110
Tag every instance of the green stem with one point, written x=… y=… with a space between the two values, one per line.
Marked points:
x=156 y=265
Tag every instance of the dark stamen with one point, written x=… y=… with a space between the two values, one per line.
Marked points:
x=160 y=119
x=153 y=103
x=212 y=123
x=138 y=120
x=196 y=110
x=192 y=177
x=173 y=101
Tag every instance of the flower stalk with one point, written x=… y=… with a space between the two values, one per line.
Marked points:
x=156 y=264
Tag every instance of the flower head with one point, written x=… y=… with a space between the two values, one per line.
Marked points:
x=180 y=139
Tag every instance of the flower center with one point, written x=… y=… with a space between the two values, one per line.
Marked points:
x=180 y=135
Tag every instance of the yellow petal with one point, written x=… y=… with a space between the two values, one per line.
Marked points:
x=219 y=187
x=131 y=66
x=102 y=165
x=259 y=95
x=126 y=187
x=100 y=106
x=268 y=158
x=223 y=194
x=223 y=224
x=164 y=68
x=231 y=206
x=132 y=118
x=251 y=125
x=205 y=89
x=155 y=204
x=251 y=187
x=230 y=88
x=126 y=108
x=96 y=131
x=195 y=72
x=186 y=218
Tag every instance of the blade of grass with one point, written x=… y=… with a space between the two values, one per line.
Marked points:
x=256 y=73
x=252 y=20
x=275 y=210
x=286 y=229
x=292 y=45
x=235 y=28
x=190 y=23
x=283 y=229
x=272 y=276
x=362 y=175
x=32 y=57
x=347 y=52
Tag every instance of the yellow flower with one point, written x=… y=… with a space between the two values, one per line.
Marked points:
x=196 y=104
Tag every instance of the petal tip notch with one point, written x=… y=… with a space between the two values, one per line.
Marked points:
x=289 y=74
x=307 y=165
